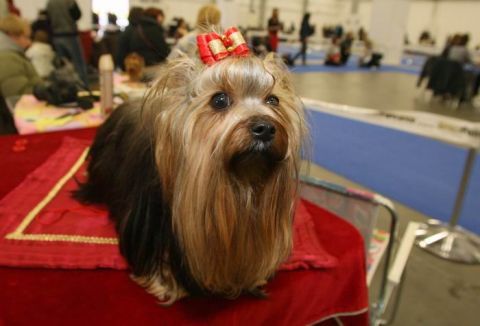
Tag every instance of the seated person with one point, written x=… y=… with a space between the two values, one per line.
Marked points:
x=17 y=74
x=333 y=56
x=41 y=54
x=208 y=15
x=369 y=58
x=458 y=51
x=346 y=47
x=145 y=37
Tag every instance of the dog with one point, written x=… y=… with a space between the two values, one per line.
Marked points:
x=201 y=176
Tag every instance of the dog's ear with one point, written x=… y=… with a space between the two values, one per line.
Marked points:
x=171 y=89
x=174 y=78
x=277 y=68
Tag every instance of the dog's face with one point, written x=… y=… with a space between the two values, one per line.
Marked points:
x=228 y=140
x=241 y=113
x=242 y=118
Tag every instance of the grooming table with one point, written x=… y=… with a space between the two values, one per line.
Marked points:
x=106 y=296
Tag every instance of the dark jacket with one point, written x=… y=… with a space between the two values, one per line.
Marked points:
x=63 y=16
x=146 y=39
x=306 y=29
x=447 y=77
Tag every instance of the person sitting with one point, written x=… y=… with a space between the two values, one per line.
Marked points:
x=426 y=39
x=369 y=58
x=333 y=56
x=259 y=46
x=17 y=74
x=42 y=23
x=458 y=51
x=134 y=16
x=146 y=38
x=181 y=29
x=346 y=48
x=41 y=54
x=208 y=16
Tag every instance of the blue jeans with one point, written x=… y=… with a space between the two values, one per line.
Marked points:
x=70 y=48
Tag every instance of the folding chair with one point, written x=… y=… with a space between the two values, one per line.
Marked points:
x=361 y=209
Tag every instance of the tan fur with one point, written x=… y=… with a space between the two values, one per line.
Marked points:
x=233 y=220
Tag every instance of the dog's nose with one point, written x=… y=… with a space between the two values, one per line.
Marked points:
x=263 y=130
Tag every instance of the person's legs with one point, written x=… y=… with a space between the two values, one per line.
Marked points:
x=304 y=52
x=273 y=41
x=70 y=47
x=60 y=48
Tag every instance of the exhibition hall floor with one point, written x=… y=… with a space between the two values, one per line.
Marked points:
x=386 y=91
x=436 y=292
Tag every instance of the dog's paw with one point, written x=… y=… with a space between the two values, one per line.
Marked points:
x=166 y=294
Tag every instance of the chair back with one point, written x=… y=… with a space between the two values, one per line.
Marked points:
x=354 y=206
x=447 y=77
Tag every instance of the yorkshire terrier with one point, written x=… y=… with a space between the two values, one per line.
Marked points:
x=201 y=177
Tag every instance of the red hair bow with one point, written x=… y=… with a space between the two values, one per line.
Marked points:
x=213 y=47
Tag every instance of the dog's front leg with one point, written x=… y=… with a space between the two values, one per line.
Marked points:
x=166 y=290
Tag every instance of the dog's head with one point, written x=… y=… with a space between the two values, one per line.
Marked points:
x=227 y=141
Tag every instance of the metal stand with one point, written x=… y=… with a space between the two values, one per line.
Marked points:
x=450 y=241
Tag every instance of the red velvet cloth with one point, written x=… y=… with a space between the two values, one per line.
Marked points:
x=64 y=216
x=107 y=296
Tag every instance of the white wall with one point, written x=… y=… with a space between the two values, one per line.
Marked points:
x=30 y=8
x=458 y=16
x=441 y=18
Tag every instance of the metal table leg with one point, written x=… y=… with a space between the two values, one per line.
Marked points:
x=450 y=241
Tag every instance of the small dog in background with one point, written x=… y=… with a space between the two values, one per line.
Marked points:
x=134 y=66
x=201 y=177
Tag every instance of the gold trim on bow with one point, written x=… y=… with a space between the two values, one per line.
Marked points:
x=237 y=39
x=216 y=46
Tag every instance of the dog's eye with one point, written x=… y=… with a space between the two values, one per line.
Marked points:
x=220 y=101
x=272 y=100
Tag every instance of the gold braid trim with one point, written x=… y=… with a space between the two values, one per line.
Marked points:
x=237 y=39
x=63 y=238
x=19 y=234
x=216 y=46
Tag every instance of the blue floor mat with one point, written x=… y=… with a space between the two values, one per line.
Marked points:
x=410 y=64
x=419 y=172
x=349 y=68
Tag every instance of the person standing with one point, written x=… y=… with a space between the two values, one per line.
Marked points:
x=306 y=30
x=64 y=15
x=274 y=26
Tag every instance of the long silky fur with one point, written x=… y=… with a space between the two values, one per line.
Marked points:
x=197 y=210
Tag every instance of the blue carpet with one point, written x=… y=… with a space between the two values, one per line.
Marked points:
x=349 y=68
x=421 y=173
x=410 y=64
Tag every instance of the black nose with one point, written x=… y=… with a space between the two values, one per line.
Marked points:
x=263 y=130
